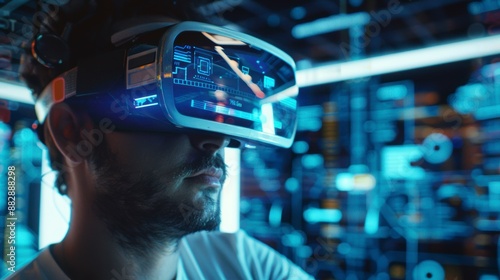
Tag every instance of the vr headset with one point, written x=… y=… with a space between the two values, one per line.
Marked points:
x=186 y=76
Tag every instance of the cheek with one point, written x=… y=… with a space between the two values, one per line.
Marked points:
x=148 y=150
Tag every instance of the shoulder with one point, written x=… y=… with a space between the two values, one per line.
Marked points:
x=231 y=243
x=42 y=267
x=31 y=270
x=238 y=252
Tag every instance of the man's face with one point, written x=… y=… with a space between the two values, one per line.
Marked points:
x=158 y=187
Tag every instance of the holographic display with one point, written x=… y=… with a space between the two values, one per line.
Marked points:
x=235 y=84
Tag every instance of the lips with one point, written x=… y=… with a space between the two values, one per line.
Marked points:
x=211 y=171
x=209 y=178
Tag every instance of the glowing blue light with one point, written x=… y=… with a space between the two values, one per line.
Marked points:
x=392 y=92
x=269 y=185
x=428 y=269
x=344 y=248
x=275 y=214
x=245 y=206
x=450 y=190
x=372 y=221
x=289 y=102
x=262 y=172
x=24 y=237
x=252 y=157
x=312 y=161
x=316 y=215
x=494 y=188
x=298 y=13
x=309 y=118
x=488 y=112
x=308 y=111
x=329 y=24
x=23 y=136
x=309 y=125
x=358 y=168
x=491 y=148
x=488 y=225
x=468 y=98
x=437 y=148
x=397 y=162
x=292 y=184
x=293 y=239
x=304 y=252
x=383 y=135
x=358 y=103
x=300 y=147
x=427 y=203
x=344 y=181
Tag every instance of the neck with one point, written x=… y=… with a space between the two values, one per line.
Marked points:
x=89 y=251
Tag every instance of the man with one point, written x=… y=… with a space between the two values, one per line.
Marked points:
x=145 y=193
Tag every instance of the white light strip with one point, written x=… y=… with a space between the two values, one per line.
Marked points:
x=55 y=210
x=335 y=72
x=230 y=196
x=329 y=24
x=15 y=92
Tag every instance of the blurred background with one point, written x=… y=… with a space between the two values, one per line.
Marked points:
x=395 y=170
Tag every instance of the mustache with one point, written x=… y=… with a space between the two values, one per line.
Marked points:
x=203 y=162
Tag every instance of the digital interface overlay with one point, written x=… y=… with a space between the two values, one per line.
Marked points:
x=233 y=84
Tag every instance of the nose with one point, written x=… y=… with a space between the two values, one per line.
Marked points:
x=209 y=143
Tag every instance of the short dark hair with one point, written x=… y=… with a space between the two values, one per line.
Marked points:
x=86 y=26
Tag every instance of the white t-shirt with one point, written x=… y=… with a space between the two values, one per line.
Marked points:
x=203 y=255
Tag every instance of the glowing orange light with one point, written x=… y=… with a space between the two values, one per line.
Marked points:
x=219 y=118
x=58 y=90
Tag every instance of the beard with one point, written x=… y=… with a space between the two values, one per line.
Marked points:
x=139 y=208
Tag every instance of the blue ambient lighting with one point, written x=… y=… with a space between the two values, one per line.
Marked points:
x=372 y=221
x=316 y=215
x=300 y=147
x=312 y=161
x=428 y=269
x=298 y=13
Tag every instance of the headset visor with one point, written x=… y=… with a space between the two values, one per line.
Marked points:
x=202 y=77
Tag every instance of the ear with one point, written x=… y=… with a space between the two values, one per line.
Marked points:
x=64 y=126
